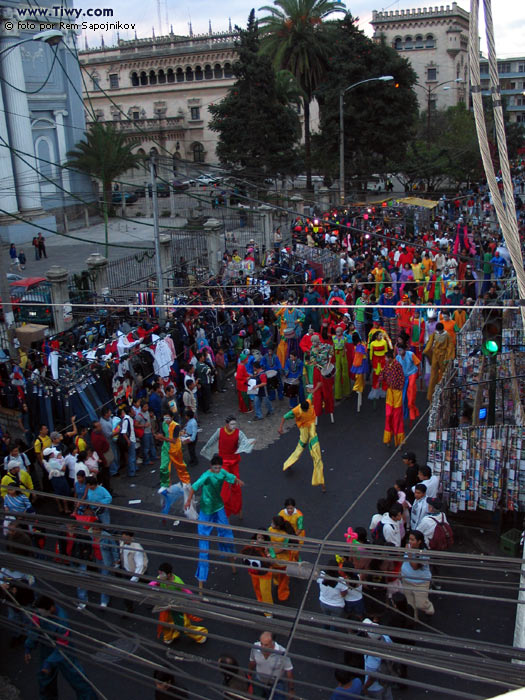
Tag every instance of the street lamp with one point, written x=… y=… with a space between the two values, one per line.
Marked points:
x=430 y=90
x=49 y=36
x=342 y=130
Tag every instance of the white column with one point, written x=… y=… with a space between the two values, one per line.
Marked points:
x=19 y=125
x=7 y=190
x=65 y=174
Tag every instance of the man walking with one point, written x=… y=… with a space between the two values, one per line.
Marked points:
x=269 y=661
x=51 y=632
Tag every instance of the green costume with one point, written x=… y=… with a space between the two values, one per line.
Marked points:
x=165 y=458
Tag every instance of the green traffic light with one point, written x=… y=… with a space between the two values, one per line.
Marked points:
x=490 y=348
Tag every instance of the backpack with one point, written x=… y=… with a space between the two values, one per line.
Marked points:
x=378 y=536
x=443 y=537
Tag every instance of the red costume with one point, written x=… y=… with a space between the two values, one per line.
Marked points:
x=231 y=494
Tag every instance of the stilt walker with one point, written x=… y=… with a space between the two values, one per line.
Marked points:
x=395 y=379
x=410 y=364
x=323 y=377
x=212 y=512
x=342 y=379
x=304 y=416
x=229 y=442
x=359 y=368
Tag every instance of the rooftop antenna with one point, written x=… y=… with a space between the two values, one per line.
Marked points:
x=159 y=16
x=229 y=24
x=190 y=28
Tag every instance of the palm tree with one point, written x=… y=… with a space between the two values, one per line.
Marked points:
x=288 y=91
x=293 y=37
x=104 y=155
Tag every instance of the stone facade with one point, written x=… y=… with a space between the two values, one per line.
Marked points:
x=435 y=41
x=511 y=72
x=158 y=90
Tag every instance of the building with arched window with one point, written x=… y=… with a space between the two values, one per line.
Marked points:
x=158 y=90
x=435 y=41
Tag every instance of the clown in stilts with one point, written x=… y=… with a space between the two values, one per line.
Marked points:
x=305 y=418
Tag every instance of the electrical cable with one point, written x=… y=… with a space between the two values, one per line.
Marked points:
x=46 y=80
x=329 y=639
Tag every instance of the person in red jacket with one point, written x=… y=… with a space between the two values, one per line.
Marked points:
x=101 y=446
x=241 y=379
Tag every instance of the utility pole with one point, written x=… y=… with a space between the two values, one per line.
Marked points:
x=7 y=307
x=156 y=233
x=341 y=149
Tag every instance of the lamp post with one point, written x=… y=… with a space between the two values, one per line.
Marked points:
x=342 y=130
x=430 y=90
x=49 y=36
x=52 y=37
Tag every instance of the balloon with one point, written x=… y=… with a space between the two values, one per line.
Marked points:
x=350 y=535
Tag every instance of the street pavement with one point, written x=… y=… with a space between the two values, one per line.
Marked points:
x=353 y=454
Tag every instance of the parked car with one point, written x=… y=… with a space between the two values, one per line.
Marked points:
x=35 y=306
x=18 y=288
x=179 y=186
x=129 y=197
x=205 y=180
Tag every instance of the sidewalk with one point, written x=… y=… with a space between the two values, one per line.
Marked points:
x=68 y=250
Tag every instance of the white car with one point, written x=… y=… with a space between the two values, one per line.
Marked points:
x=205 y=180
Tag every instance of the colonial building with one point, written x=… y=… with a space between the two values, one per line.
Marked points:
x=41 y=118
x=158 y=90
x=435 y=41
x=511 y=72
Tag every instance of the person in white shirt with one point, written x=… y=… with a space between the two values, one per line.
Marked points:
x=332 y=591
x=419 y=507
x=434 y=516
x=269 y=661
x=71 y=462
x=431 y=482
x=133 y=560
x=19 y=457
x=392 y=524
x=372 y=687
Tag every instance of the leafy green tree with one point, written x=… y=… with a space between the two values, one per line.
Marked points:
x=294 y=37
x=257 y=132
x=103 y=154
x=378 y=116
x=447 y=152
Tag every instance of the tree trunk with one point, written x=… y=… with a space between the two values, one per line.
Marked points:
x=106 y=204
x=307 y=145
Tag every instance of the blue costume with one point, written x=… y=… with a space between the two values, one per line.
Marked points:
x=272 y=362
x=294 y=370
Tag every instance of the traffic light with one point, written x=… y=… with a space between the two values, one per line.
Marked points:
x=491 y=332
x=396 y=85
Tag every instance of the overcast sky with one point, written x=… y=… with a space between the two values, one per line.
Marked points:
x=509 y=18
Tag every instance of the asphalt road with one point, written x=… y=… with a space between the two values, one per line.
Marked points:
x=353 y=454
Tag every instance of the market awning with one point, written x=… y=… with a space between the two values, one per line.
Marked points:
x=418 y=202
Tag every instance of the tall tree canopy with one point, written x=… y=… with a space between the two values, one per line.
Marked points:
x=294 y=37
x=378 y=116
x=257 y=132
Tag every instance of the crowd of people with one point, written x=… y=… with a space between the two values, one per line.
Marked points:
x=389 y=317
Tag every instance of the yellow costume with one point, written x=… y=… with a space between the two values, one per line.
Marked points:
x=305 y=421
